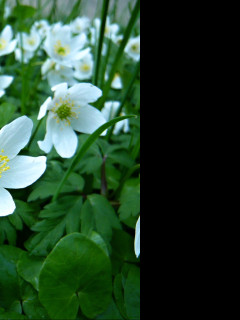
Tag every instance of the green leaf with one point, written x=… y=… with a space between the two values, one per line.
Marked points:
x=29 y=267
x=130 y=199
x=9 y=280
x=7 y=111
x=77 y=273
x=132 y=293
x=98 y=214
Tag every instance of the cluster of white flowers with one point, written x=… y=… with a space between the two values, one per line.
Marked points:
x=69 y=61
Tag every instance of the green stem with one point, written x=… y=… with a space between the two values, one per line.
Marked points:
x=83 y=149
x=34 y=134
x=100 y=40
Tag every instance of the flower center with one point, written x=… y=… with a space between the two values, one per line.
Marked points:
x=64 y=110
x=3 y=163
x=85 y=67
x=61 y=50
x=31 y=41
x=3 y=44
x=135 y=48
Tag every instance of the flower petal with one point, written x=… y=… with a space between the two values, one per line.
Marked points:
x=7 y=205
x=23 y=172
x=64 y=139
x=89 y=120
x=84 y=92
x=15 y=136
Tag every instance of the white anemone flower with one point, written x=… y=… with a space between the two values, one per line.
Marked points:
x=84 y=67
x=30 y=42
x=62 y=47
x=137 y=238
x=5 y=82
x=69 y=111
x=41 y=27
x=133 y=48
x=16 y=172
x=80 y=24
x=7 y=45
x=111 y=29
x=109 y=112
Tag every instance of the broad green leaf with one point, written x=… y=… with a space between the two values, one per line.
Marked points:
x=29 y=267
x=77 y=273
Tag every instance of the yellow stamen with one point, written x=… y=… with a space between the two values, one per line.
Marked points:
x=85 y=67
x=64 y=111
x=61 y=50
x=3 y=163
x=3 y=44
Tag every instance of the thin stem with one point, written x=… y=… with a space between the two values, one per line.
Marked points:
x=82 y=150
x=100 y=40
x=34 y=134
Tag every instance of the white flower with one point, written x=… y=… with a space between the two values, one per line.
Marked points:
x=56 y=73
x=80 y=24
x=41 y=27
x=109 y=112
x=137 y=238
x=110 y=31
x=7 y=45
x=84 y=67
x=133 y=48
x=5 y=82
x=16 y=172
x=69 y=110
x=62 y=47
x=30 y=42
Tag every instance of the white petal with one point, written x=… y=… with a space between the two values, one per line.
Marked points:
x=7 y=205
x=47 y=144
x=23 y=172
x=84 y=93
x=44 y=108
x=15 y=136
x=64 y=139
x=89 y=120
x=5 y=81
x=137 y=238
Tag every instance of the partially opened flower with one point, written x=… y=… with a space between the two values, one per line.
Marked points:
x=137 y=238
x=7 y=45
x=16 y=172
x=110 y=111
x=84 y=67
x=30 y=42
x=5 y=82
x=133 y=48
x=80 y=24
x=69 y=111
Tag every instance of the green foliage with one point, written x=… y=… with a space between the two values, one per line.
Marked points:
x=67 y=251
